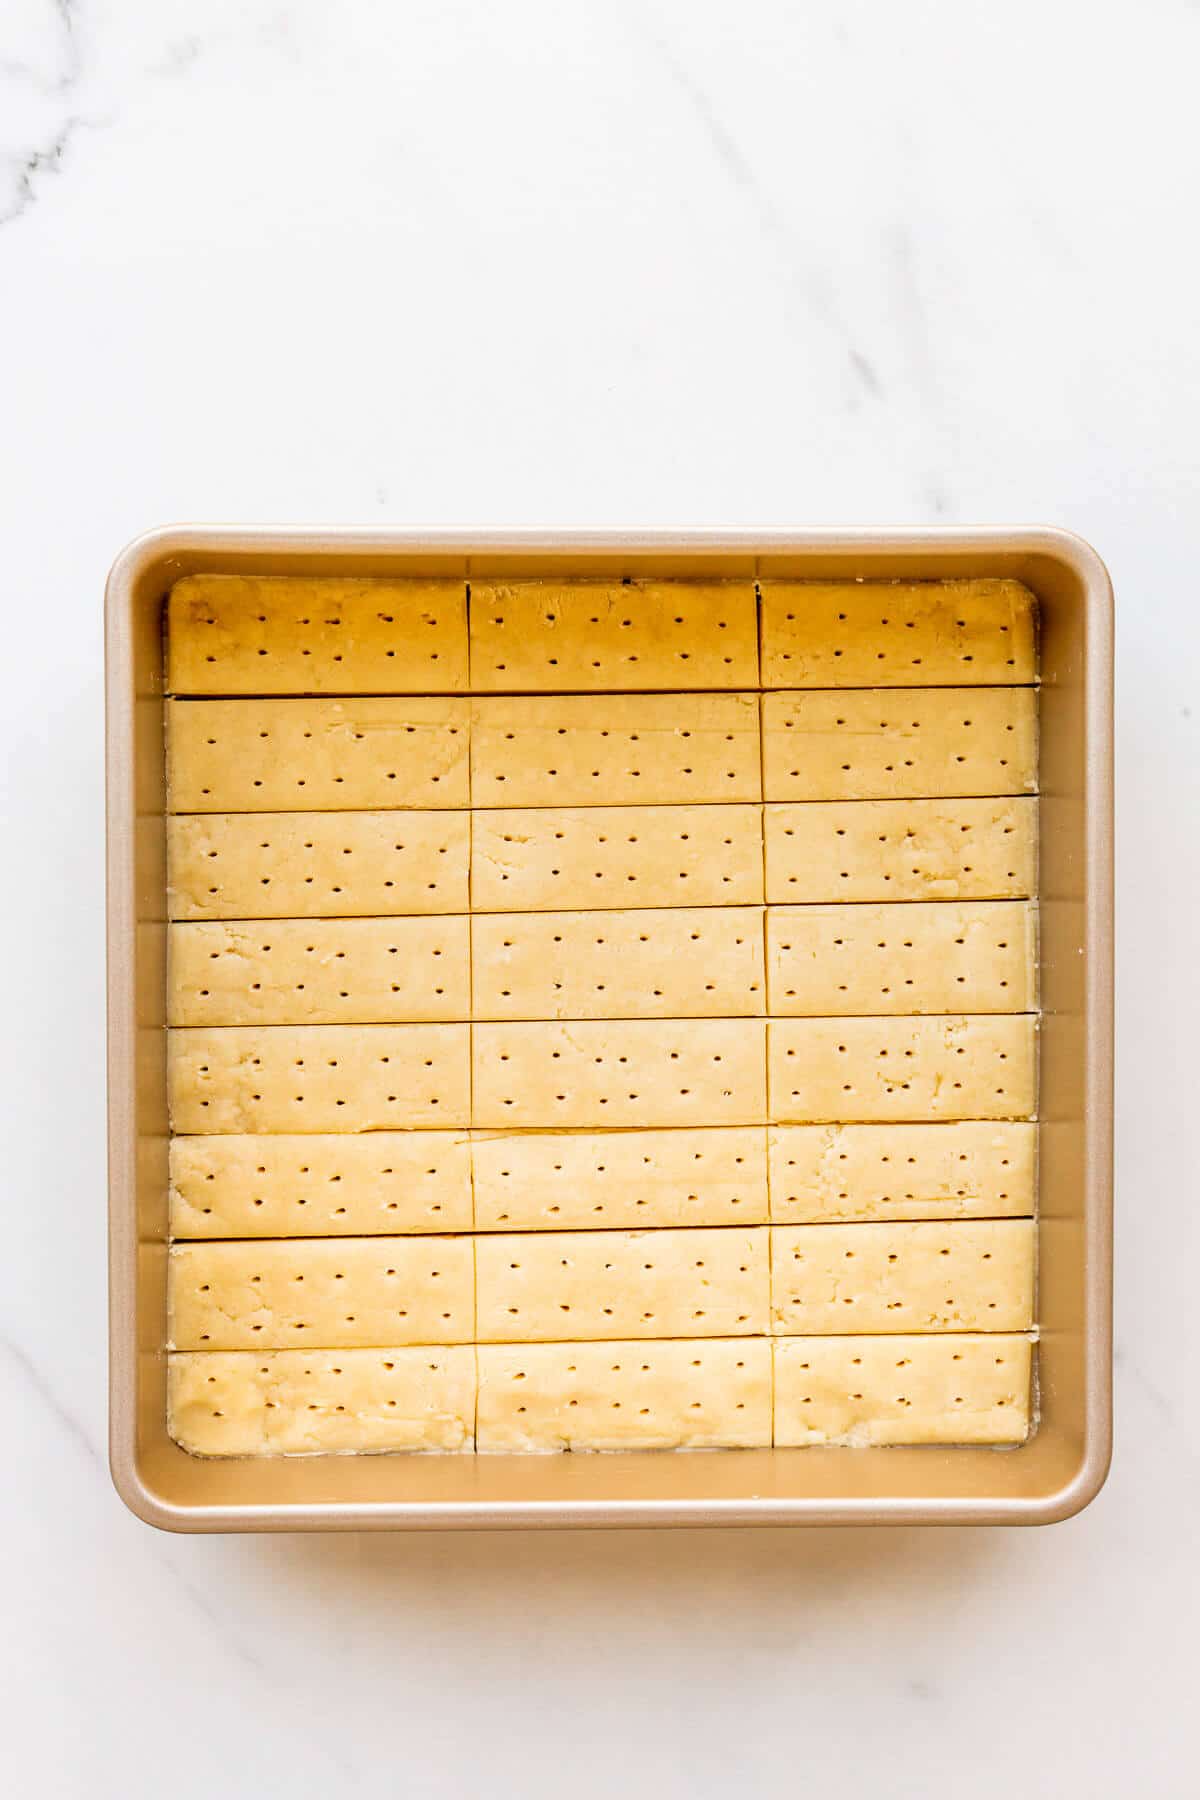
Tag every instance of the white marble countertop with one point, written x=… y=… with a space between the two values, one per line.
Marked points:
x=672 y=262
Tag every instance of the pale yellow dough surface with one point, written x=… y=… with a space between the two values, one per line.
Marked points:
x=669 y=964
x=706 y=1395
x=615 y=750
x=939 y=1067
x=536 y=1286
x=320 y=971
x=922 y=957
x=840 y=850
x=563 y=635
x=970 y=1169
x=281 y=1294
x=952 y=1389
x=304 y=1078
x=317 y=755
x=307 y=1402
x=581 y=1049
x=595 y=1075
x=316 y=865
x=559 y=1181
x=341 y=1185
x=961 y=1275
x=825 y=634
x=887 y=744
x=283 y=634
x=616 y=856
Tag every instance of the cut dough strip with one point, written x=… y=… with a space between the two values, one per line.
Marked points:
x=592 y=1075
x=858 y=1391
x=286 y=634
x=320 y=972
x=703 y=961
x=968 y=1275
x=942 y=1067
x=615 y=749
x=542 y=860
x=316 y=755
x=822 y=634
x=308 y=1402
x=302 y=1078
x=316 y=865
x=961 y=1171
x=838 y=850
x=919 y=957
x=554 y=636
x=281 y=1294
x=533 y=1287
x=885 y=744
x=706 y=1395
x=313 y=1186
x=587 y=1180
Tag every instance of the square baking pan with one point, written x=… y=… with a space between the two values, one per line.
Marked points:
x=1064 y=1462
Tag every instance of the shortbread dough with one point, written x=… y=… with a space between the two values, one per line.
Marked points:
x=281 y=1294
x=615 y=750
x=827 y=634
x=340 y=1185
x=689 y=961
x=319 y=971
x=958 y=1388
x=611 y=635
x=316 y=755
x=979 y=956
x=287 y=634
x=305 y=1402
x=962 y=1275
x=531 y=859
x=939 y=1067
x=709 y=1394
x=844 y=850
x=317 y=865
x=970 y=1169
x=886 y=744
x=535 y=1286
x=596 y=1075
x=559 y=1181
x=580 y=1041
x=318 y=1077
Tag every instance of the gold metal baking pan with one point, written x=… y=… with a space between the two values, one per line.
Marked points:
x=1063 y=1464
